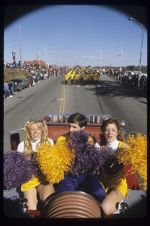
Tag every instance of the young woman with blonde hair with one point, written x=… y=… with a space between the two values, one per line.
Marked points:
x=35 y=134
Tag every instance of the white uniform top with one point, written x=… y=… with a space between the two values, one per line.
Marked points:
x=33 y=143
x=113 y=146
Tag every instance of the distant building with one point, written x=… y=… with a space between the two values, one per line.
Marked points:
x=35 y=62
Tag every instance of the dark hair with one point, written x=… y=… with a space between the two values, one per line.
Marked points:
x=104 y=125
x=110 y=121
x=78 y=118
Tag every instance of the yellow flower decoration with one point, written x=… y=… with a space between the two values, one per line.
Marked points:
x=136 y=156
x=54 y=161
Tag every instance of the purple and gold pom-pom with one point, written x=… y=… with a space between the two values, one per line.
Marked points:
x=16 y=169
x=88 y=157
x=76 y=157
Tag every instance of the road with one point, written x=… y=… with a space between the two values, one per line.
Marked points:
x=52 y=96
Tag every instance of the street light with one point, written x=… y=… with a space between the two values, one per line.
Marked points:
x=120 y=58
x=141 y=25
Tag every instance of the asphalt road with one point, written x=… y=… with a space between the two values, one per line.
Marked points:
x=52 y=96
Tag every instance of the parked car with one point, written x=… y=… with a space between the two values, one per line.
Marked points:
x=20 y=83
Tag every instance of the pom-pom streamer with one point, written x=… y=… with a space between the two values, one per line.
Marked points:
x=88 y=158
x=16 y=169
x=135 y=155
x=54 y=161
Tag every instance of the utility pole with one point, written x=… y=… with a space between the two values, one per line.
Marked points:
x=39 y=57
x=101 y=57
x=142 y=37
x=20 y=47
x=52 y=54
x=120 y=58
x=45 y=53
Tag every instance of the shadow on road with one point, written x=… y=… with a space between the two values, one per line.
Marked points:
x=112 y=89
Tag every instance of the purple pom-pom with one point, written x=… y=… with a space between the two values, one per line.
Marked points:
x=88 y=158
x=16 y=169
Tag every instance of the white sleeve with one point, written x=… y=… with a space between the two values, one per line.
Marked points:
x=97 y=145
x=20 y=147
x=51 y=141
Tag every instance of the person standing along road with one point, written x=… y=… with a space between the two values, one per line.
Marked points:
x=6 y=90
x=11 y=87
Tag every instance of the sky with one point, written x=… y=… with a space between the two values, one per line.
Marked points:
x=69 y=35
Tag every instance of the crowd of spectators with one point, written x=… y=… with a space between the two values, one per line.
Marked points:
x=73 y=75
x=129 y=78
x=34 y=74
x=88 y=75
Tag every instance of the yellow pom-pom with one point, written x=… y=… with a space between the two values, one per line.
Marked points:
x=61 y=139
x=135 y=154
x=54 y=161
